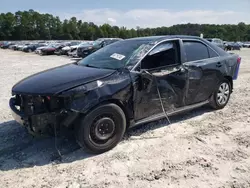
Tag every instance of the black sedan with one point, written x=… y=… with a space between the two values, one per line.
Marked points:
x=232 y=46
x=124 y=84
x=33 y=47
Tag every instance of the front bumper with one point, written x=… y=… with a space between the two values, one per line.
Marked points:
x=83 y=52
x=42 y=124
x=16 y=114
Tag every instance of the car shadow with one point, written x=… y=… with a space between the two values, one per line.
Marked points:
x=19 y=149
x=143 y=128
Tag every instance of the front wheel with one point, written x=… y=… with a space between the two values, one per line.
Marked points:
x=221 y=96
x=101 y=129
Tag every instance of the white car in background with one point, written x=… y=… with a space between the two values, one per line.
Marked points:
x=38 y=50
x=246 y=45
x=72 y=49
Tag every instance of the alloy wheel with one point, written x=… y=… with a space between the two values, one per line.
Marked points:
x=223 y=94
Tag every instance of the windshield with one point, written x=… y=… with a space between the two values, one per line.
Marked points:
x=117 y=55
x=96 y=43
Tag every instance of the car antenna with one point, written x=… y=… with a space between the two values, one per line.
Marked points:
x=159 y=94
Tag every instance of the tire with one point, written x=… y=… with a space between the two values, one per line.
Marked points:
x=90 y=130
x=43 y=53
x=221 y=95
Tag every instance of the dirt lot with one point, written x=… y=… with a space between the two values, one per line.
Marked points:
x=202 y=148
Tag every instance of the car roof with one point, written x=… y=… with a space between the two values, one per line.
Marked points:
x=156 y=39
x=164 y=37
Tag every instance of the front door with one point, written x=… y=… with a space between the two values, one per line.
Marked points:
x=161 y=72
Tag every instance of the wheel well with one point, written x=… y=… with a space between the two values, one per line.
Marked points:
x=230 y=79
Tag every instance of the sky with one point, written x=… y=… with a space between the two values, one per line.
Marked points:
x=142 y=13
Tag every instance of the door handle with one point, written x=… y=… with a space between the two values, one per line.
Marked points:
x=218 y=64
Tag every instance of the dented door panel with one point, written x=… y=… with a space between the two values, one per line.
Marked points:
x=172 y=84
x=203 y=77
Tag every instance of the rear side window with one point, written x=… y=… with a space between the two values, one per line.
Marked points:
x=195 y=51
x=212 y=53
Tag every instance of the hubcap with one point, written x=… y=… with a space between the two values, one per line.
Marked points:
x=104 y=128
x=223 y=94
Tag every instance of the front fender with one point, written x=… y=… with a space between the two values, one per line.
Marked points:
x=115 y=88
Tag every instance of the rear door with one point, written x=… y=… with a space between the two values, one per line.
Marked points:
x=203 y=65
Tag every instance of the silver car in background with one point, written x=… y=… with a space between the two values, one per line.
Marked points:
x=217 y=42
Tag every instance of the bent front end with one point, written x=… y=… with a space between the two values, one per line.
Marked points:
x=41 y=115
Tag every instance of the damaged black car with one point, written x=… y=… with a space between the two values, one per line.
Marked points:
x=124 y=84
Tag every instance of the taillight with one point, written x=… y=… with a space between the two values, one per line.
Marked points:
x=239 y=60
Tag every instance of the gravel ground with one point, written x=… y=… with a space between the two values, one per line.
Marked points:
x=202 y=148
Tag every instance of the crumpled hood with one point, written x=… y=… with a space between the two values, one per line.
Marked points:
x=58 y=79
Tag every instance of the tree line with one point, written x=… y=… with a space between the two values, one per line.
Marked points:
x=32 y=25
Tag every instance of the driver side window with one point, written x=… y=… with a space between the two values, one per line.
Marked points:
x=163 y=55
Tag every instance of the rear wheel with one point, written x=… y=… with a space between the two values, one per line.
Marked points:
x=221 y=96
x=101 y=129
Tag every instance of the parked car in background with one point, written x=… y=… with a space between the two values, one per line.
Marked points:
x=67 y=48
x=21 y=46
x=50 y=49
x=11 y=46
x=38 y=50
x=246 y=45
x=6 y=45
x=85 y=50
x=73 y=54
x=232 y=46
x=1 y=44
x=217 y=42
x=124 y=84
x=14 y=47
x=73 y=49
x=240 y=44
x=33 y=47
x=60 y=46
